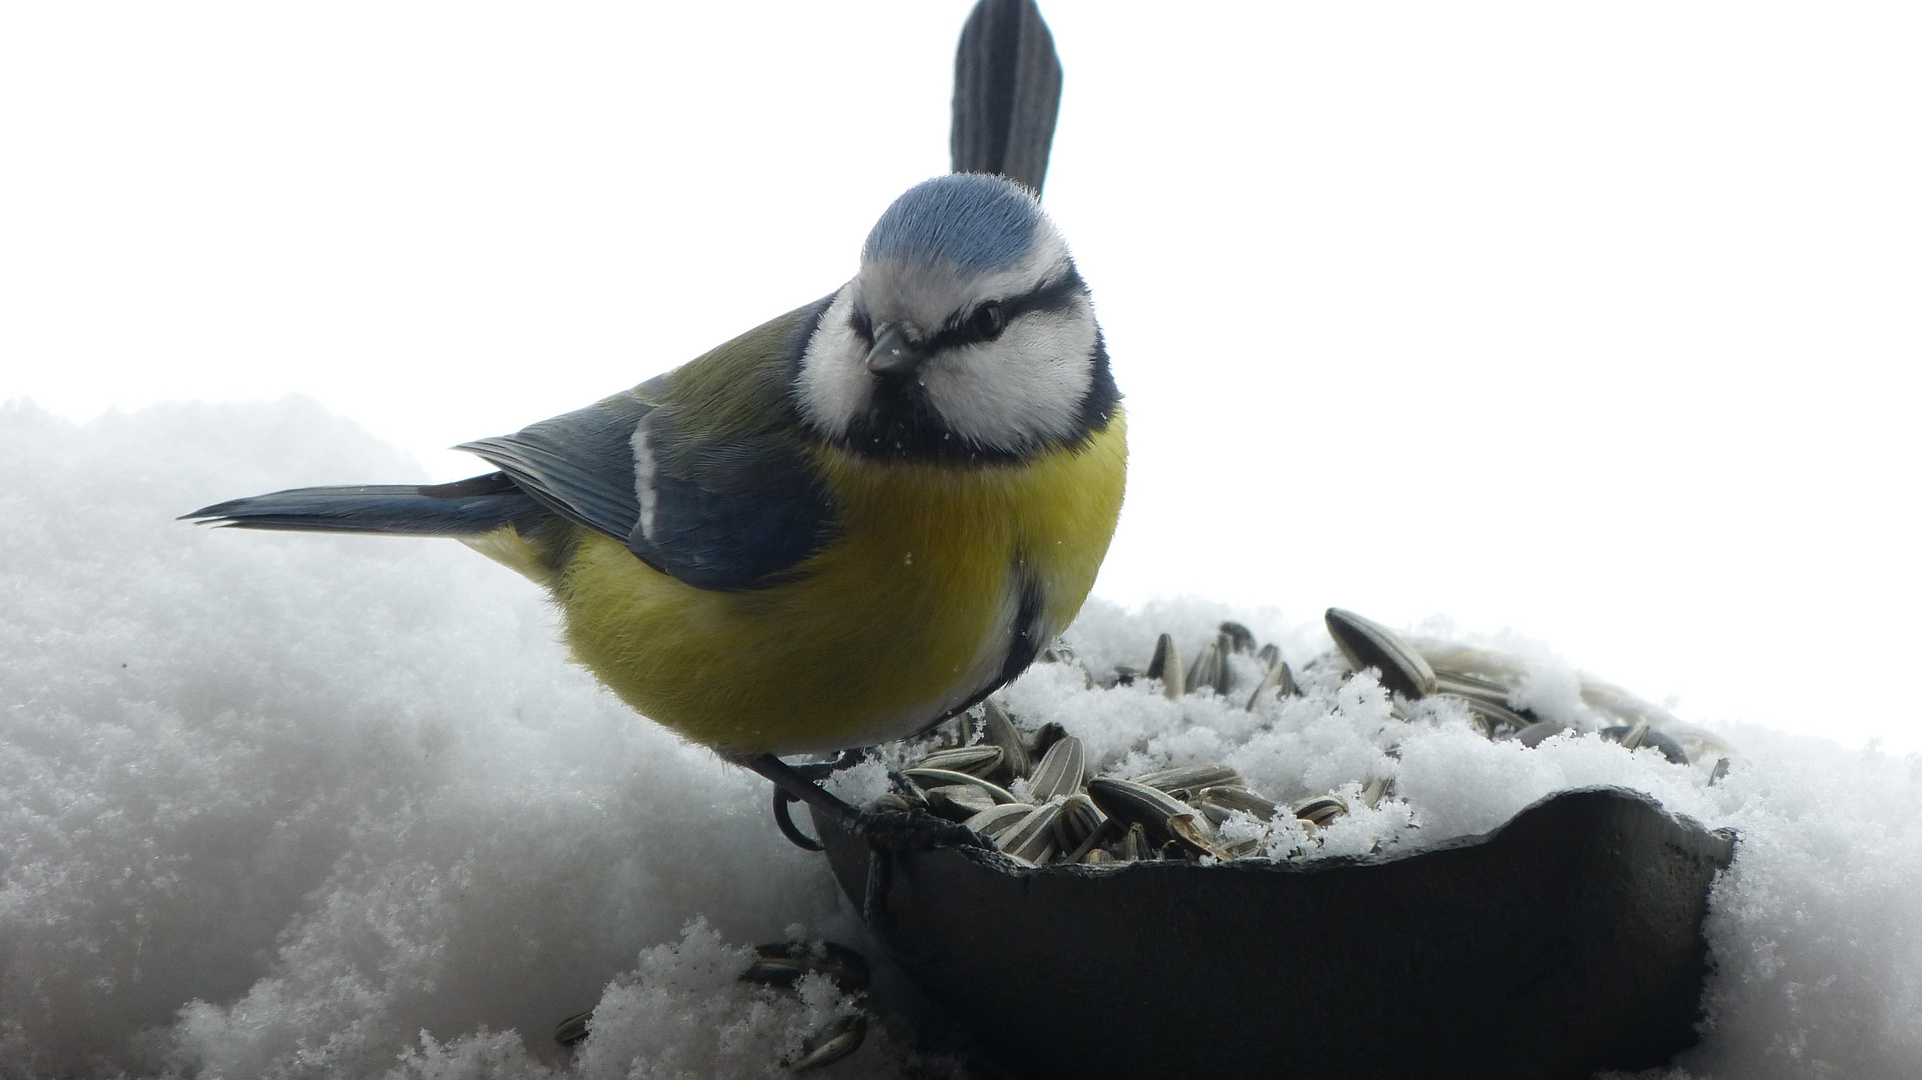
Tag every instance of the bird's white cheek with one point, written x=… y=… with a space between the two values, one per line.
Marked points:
x=1021 y=390
x=834 y=385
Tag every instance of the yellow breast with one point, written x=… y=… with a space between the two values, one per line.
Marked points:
x=905 y=617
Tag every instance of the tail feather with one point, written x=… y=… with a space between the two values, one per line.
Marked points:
x=464 y=508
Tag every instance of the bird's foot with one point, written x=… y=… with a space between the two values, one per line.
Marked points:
x=912 y=829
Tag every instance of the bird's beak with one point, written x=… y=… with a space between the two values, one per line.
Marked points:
x=894 y=353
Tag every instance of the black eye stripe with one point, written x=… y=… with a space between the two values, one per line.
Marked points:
x=1057 y=295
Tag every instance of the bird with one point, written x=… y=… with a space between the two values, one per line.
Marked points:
x=837 y=529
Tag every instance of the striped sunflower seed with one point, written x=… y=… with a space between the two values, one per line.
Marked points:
x=992 y=823
x=933 y=778
x=781 y=964
x=1235 y=797
x=1210 y=670
x=998 y=729
x=1060 y=771
x=1369 y=644
x=1321 y=810
x=831 y=1043
x=1165 y=818
x=979 y=760
x=959 y=802
x=1190 y=777
x=1166 y=666
x=1079 y=819
x=1031 y=839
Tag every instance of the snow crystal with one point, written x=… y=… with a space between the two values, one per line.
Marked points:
x=303 y=806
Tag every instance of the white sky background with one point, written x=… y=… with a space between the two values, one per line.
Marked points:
x=1600 y=324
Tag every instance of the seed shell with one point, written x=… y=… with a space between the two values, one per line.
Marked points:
x=997 y=729
x=1166 y=666
x=932 y=778
x=1278 y=682
x=1164 y=817
x=979 y=760
x=1210 y=670
x=1031 y=839
x=1061 y=770
x=1190 y=777
x=1321 y=810
x=992 y=823
x=782 y=963
x=830 y=1044
x=1368 y=644
x=958 y=802
x=1235 y=797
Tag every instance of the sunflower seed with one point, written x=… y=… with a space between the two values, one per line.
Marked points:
x=1061 y=770
x=1079 y=819
x=997 y=729
x=1193 y=832
x=933 y=778
x=830 y=1044
x=1210 y=670
x=1720 y=771
x=1537 y=733
x=1097 y=857
x=1487 y=714
x=1470 y=686
x=781 y=964
x=1044 y=740
x=1240 y=638
x=1032 y=838
x=980 y=760
x=1190 y=777
x=1166 y=666
x=1133 y=844
x=959 y=802
x=1105 y=835
x=1639 y=734
x=1235 y=797
x=1369 y=644
x=1371 y=795
x=992 y=823
x=1321 y=810
x=1670 y=749
x=573 y=1029
x=1243 y=848
x=1278 y=682
x=1164 y=817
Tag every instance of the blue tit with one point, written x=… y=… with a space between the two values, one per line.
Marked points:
x=837 y=529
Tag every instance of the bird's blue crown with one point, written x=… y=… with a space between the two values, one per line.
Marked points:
x=977 y=222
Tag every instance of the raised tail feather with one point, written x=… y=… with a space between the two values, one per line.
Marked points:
x=463 y=508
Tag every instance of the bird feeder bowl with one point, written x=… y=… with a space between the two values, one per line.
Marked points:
x=1566 y=941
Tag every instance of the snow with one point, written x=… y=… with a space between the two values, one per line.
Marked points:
x=297 y=805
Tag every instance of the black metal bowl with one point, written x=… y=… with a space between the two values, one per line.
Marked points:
x=1566 y=941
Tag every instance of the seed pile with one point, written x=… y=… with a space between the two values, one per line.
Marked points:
x=1034 y=798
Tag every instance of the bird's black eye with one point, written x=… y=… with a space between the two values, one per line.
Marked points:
x=863 y=326
x=988 y=321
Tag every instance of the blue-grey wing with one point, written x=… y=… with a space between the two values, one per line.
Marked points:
x=702 y=473
x=726 y=514
x=579 y=464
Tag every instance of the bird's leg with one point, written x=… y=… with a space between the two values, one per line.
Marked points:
x=797 y=784
x=914 y=830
